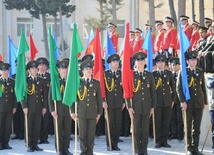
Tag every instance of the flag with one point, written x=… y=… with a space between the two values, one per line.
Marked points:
x=98 y=65
x=20 y=84
x=127 y=75
x=147 y=45
x=90 y=43
x=1 y=57
x=109 y=49
x=73 y=79
x=54 y=75
x=121 y=49
x=12 y=54
x=33 y=49
x=184 y=45
x=56 y=52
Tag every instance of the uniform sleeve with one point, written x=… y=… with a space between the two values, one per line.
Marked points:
x=179 y=89
x=24 y=104
x=172 y=87
x=50 y=102
x=173 y=42
x=153 y=92
x=45 y=94
x=204 y=89
x=99 y=100
x=128 y=103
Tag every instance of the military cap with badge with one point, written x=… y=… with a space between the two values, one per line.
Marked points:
x=32 y=64
x=62 y=64
x=42 y=60
x=169 y=19
x=112 y=24
x=4 y=66
x=191 y=55
x=113 y=57
x=86 y=64
x=138 y=30
x=183 y=17
x=174 y=61
x=160 y=58
x=87 y=57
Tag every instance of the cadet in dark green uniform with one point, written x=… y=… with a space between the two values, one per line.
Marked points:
x=176 y=125
x=35 y=105
x=114 y=100
x=47 y=118
x=89 y=108
x=143 y=103
x=195 y=105
x=63 y=111
x=165 y=91
x=7 y=105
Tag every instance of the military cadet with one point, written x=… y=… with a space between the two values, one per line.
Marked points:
x=185 y=26
x=63 y=112
x=195 y=35
x=7 y=105
x=192 y=108
x=170 y=38
x=144 y=101
x=47 y=118
x=159 y=39
x=176 y=125
x=89 y=108
x=35 y=104
x=138 y=41
x=165 y=90
x=114 y=100
x=113 y=35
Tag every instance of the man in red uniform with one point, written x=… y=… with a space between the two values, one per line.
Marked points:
x=138 y=41
x=170 y=38
x=159 y=38
x=113 y=35
x=185 y=26
x=195 y=35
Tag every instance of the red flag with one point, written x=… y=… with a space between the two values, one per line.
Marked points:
x=127 y=73
x=0 y=57
x=89 y=49
x=33 y=49
x=98 y=66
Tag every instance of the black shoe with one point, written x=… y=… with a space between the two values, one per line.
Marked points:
x=157 y=145
x=41 y=142
x=61 y=153
x=1 y=147
x=15 y=137
x=46 y=142
x=21 y=137
x=197 y=153
x=36 y=148
x=67 y=152
x=116 y=148
x=7 y=147
x=180 y=138
x=120 y=140
x=30 y=149
x=166 y=145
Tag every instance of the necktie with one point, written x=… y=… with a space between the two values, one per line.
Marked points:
x=42 y=75
x=63 y=81
x=193 y=73
x=175 y=75
x=141 y=76
x=87 y=82
x=5 y=81
x=162 y=74
x=114 y=73
x=35 y=80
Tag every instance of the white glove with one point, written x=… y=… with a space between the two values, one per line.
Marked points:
x=170 y=50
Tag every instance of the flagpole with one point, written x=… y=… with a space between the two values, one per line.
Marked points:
x=56 y=128
x=206 y=137
x=132 y=127
x=185 y=130
x=154 y=134
x=26 y=131
x=108 y=129
x=75 y=143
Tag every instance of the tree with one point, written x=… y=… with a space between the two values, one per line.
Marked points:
x=201 y=12
x=181 y=7
x=193 y=9
x=172 y=11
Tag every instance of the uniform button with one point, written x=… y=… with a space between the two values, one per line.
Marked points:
x=6 y=100
x=5 y=95
x=115 y=89
x=142 y=88
x=163 y=84
x=195 y=89
x=87 y=99
x=87 y=105
x=163 y=89
x=88 y=89
x=36 y=100
x=195 y=94
x=142 y=98
x=142 y=93
x=163 y=93
x=115 y=85
x=115 y=94
x=36 y=96
x=88 y=94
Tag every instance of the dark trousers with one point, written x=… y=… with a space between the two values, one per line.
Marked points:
x=100 y=126
x=141 y=132
x=193 y=122
x=212 y=121
x=34 y=124
x=114 y=117
x=126 y=123
x=87 y=128
x=18 y=121
x=168 y=55
x=45 y=126
x=162 y=123
x=5 y=127
x=176 y=125
x=64 y=131
x=209 y=67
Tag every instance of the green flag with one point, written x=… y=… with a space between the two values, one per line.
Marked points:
x=55 y=85
x=20 y=84
x=73 y=79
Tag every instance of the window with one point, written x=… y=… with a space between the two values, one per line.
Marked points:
x=121 y=28
x=26 y=24
x=50 y=23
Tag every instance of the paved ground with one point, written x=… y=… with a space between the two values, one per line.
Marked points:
x=100 y=148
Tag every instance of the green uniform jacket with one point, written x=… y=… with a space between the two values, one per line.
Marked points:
x=144 y=93
x=62 y=109
x=37 y=100
x=114 y=96
x=91 y=104
x=8 y=99
x=197 y=89
x=165 y=90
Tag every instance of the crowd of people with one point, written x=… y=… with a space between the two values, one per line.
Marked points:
x=159 y=108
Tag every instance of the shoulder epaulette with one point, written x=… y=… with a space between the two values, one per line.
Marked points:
x=174 y=28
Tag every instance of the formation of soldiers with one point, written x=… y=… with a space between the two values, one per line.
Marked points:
x=156 y=94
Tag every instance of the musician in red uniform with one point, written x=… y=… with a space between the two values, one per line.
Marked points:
x=113 y=35
x=159 y=39
x=186 y=26
x=170 y=38
x=195 y=35
x=138 y=41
